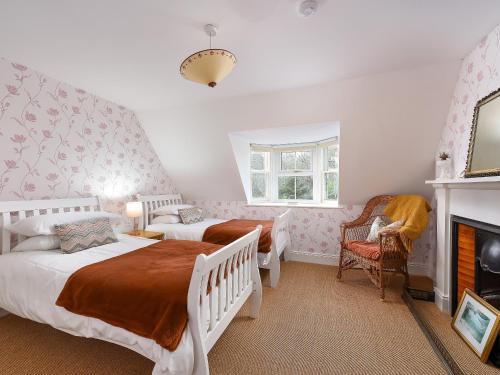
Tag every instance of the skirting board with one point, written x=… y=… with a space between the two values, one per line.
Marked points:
x=333 y=260
x=3 y=313
x=442 y=301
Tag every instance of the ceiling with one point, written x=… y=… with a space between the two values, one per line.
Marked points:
x=129 y=51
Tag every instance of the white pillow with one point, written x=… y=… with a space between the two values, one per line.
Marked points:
x=395 y=225
x=44 y=224
x=166 y=219
x=377 y=225
x=49 y=242
x=169 y=210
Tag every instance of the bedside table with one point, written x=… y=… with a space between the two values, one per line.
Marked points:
x=146 y=234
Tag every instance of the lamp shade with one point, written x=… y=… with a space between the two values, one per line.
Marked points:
x=134 y=209
x=208 y=67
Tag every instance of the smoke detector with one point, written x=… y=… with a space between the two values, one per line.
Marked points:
x=308 y=7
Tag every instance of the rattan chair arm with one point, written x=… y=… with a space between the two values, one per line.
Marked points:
x=385 y=238
x=389 y=233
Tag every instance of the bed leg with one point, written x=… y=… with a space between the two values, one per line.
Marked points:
x=201 y=365
x=286 y=255
x=274 y=272
x=256 y=296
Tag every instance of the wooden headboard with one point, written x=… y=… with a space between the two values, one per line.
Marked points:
x=13 y=211
x=152 y=202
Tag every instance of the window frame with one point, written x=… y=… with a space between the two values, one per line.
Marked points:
x=266 y=172
x=326 y=169
x=319 y=169
x=279 y=172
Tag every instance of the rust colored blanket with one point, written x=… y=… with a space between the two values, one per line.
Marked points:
x=144 y=291
x=225 y=233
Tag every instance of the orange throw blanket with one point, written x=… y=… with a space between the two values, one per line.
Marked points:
x=414 y=211
x=225 y=233
x=144 y=291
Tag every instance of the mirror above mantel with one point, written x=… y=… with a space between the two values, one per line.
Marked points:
x=483 y=158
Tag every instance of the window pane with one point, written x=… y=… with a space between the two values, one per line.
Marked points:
x=288 y=161
x=257 y=161
x=295 y=187
x=304 y=160
x=331 y=157
x=286 y=187
x=331 y=192
x=258 y=185
x=304 y=187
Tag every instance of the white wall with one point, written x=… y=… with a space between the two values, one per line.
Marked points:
x=390 y=126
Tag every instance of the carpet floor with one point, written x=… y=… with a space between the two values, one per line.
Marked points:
x=461 y=353
x=310 y=324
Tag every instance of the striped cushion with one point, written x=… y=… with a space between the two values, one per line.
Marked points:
x=85 y=234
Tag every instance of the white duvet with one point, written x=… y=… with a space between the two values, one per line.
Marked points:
x=194 y=232
x=30 y=283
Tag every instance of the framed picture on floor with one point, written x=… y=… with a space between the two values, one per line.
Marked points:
x=477 y=323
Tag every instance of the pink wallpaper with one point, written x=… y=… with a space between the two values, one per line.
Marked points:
x=478 y=77
x=59 y=141
x=315 y=230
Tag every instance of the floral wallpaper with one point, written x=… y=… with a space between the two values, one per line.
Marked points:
x=315 y=230
x=479 y=76
x=58 y=141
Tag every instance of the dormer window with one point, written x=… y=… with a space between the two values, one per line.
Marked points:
x=295 y=173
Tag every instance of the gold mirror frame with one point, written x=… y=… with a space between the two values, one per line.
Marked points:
x=468 y=168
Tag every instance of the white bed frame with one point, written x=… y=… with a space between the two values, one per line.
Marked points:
x=232 y=269
x=280 y=226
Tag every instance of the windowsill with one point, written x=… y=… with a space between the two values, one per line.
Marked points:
x=301 y=205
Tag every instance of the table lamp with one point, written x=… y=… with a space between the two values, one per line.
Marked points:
x=134 y=209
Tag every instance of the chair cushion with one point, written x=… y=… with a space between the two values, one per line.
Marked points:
x=370 y=250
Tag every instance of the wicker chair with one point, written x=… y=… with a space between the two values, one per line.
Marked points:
x=376 y=259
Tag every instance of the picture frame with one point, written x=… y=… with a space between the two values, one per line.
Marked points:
x=477 y=323
x=475 y=139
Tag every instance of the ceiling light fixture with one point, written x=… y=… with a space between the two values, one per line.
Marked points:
x=308 y=7
x=209 y=66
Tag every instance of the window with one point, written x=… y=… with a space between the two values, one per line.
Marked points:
x=295 y=173
x=331 y=172
x=259 y=175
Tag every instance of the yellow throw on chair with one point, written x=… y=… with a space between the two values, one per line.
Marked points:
x=414 y=210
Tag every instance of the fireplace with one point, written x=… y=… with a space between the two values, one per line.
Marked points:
x=475 y=260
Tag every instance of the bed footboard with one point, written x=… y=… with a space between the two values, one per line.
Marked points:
x=220 y=285
x=280 y=244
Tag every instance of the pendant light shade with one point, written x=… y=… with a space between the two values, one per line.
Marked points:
x=209 y=66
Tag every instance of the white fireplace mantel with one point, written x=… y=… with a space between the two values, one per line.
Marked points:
x=473 y=198
x=483 y=183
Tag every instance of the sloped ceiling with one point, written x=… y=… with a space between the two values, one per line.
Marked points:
x=389 y=131
x=129 y=51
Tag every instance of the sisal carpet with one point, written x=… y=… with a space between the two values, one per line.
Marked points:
x=310 y=324
x=463 y=356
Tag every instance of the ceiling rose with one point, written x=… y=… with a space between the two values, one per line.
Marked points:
x=209 y=66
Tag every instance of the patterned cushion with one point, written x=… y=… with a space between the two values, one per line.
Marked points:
x=370 y=250
x=376 y=227
x=190 y=215
x=85 y=234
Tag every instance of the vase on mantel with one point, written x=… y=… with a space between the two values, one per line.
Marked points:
x=444 y=169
